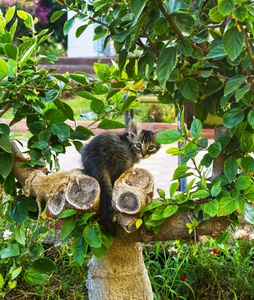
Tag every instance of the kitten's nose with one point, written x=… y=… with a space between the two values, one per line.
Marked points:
x=143 y=152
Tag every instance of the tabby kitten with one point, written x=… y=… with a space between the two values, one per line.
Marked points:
x=108 y=155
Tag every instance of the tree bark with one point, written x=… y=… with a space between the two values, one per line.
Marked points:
x=121 y=274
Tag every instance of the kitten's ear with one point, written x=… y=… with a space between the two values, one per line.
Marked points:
x=134 y=128
x=159 y=131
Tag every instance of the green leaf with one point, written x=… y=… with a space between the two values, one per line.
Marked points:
x=80 y=30
x=128 y=102
x=102 y=71
x=67 y=226
x=174 y=151
x=216 y=53
x=158 y=213
x=247 y=163
x=68 y=25
x=243 y=182
x=137 y=7
x=211 y=208
x=22 y=59
x=202 y=34
x=173 y=188
x=153 y=205
x=15 y=273
x=184 y=46
x=78 y=78
x=5 y=143
x=9 y=14
x=248 y=213
x=4 y=128
x=18 y=212
x=249 y=193
x=100 y=89
x=189 y=89
x=44 y=265
x=4 y=68
x=92 y=235
x=227 y=205
x=97 y=106
x=233 y=42
x=222 y=239
x=56 y=15
x=35 y=251
x=226 y=6
x=110 y=124
x=166 y=63
x=50 y=96
x=168 y=136
x=189 y=154
x=196 y=128
x=184 y=21
x=251 y=118
x=170 y=210
x=60 y=129
x=234 y=83
x=67 y=213
x=79 y=248
x=214 y=149
x=20 y=235
x=179 y=171
x=200 y=194
x=216 y=189
x=10 y=251
x=233 y=117
x=160 y=26
x=230 y=168
x=11 y=51
x=240 y=13
x=99 y=252
x=87 y=95
x=33 y=277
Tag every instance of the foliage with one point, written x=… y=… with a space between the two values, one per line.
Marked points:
x=41 y=10
x=194 y=51
x=207 y=269
x=177 y=51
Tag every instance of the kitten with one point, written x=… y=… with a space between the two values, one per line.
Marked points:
x=108 y=155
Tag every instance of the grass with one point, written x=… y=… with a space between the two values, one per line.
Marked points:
x=177 y=270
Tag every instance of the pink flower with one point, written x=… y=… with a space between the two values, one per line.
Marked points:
x=251 y=236
x=240 y=234
x=214 y=251
x=201 y=238
x=183 y=278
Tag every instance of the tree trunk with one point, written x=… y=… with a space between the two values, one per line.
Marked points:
x=119 y=275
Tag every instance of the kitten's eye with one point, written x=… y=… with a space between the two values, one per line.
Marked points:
x=151 y=147
x=138 y=145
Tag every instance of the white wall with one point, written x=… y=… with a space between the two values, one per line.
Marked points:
x=82 y=46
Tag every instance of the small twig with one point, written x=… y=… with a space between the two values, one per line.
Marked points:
x=150 y=41
x=249 y=51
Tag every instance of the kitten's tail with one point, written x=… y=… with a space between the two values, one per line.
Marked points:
x=106 y=203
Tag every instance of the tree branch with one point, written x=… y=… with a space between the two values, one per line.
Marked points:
x=5 y=109
x=176 y=29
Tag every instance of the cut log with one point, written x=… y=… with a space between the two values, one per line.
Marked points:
x=64 y=190
x=133 y=191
